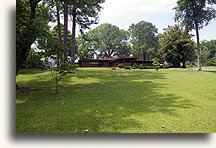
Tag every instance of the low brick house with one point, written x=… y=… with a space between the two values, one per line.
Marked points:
x=112 y=62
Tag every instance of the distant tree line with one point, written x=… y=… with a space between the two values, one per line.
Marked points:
x=141 y=40
x=175 y=45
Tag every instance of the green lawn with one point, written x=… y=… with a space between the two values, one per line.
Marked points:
x=102 y=100
x=209 y=67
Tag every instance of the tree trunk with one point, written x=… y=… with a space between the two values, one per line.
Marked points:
x=59 y=28
x=65 y=30
x=73 y=42
x=198 y=48
x=56 y=86
x=206 y=61
x=29 y=33
x=146 y=56
x=142 y=54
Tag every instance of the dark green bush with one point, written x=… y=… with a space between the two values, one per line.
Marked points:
x=141 y=66
x=75 y=66
x=156 y=59
x=166 y=66
x=135 y=66
x=34 y=60
x=149 y=67
x=120 y=65
x=127 y=67
x=212 y=62
x=156 y=65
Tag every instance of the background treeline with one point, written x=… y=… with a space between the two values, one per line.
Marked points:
x=174 y=46
x=141 y=40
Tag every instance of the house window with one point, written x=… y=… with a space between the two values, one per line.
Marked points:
x=94 y=63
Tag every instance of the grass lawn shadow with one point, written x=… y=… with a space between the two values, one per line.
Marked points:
x=98 y=101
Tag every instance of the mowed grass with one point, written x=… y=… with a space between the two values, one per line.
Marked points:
x=102 y=100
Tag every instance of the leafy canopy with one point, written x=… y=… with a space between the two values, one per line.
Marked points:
x=143 y=38
x=192 y=12
x=177 y=46
x=106 y=40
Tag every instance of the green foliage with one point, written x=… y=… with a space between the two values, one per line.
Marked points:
x=144 y=40
x=156 y=64
x=141 y=66
x=204 y=55
x=208 y=50
x=32 y=22
x=120 y=65
x=51 y=46
x=106 y=40
x=177 y=46
x=34 y=60
x=195 y=13
x=75 y=65
x=148 y=67
x=166 y=66
x=86 y=45
x=127 y=67
x=86 y=12
x=213 y=61
x=135 y=66
x=156 y=59
x=65 y=68
x=60 y=71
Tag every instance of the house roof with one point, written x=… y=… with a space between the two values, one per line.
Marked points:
x=142 y=61
x=89 y=60
x=125 y=58
x=107 y=59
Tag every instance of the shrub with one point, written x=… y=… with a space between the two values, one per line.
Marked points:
x=166 y=66
x=156 y=59
x=213 y=61
x=135 y=66
x=156 y=65
x=127 y=67
x=141 y=66
x=120 y=66
x=34 y=60
x=75 y=66
x=149 y=67
x=60 y=71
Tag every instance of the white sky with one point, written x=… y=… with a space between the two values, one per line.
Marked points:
x=123 y=13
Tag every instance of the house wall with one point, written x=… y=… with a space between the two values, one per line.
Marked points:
x=112 y=63
x=146 y=63
x=105 y=64
x=126 y=62
x=90 y=64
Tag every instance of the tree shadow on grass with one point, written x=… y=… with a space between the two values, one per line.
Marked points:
x=117 y=102
x=213 y=71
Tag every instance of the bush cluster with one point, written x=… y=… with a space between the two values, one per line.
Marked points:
x=123 y=66
x=127 y=67
x=166 y=66
x=120 y=65
x=141 y=66
x=135 y=66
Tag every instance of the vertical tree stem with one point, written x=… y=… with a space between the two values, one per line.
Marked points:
x=56 y=86
x=73 y=42
x=198 y=48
